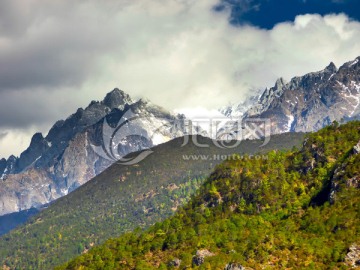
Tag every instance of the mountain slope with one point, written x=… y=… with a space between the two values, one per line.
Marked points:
x=65 y=159
x=121 y=199
x=310 y=102
x=63 y=131
x=11 y=221
x=238 y=110
x=262 y=214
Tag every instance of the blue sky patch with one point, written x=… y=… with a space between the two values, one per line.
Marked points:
x=267 y=13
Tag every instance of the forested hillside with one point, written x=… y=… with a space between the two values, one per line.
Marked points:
x=119 y=200
x=298 y=209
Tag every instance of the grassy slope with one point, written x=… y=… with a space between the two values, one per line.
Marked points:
x=264 y=214
x=119 y=200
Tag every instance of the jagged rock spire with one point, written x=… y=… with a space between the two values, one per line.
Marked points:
x=116 y=98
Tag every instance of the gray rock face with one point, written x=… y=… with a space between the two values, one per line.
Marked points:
x=2 y=165
x=234 y=266
x=356 y=148
x=10 y=166
x=310 y=102
x=175 y=262
x=352 y=258
x=238 y=110
x=338 y=178
x=37 y=147
x=117 y=99
x=43 y=152
x=200 y=256
x=198 y=260
x=66 y=158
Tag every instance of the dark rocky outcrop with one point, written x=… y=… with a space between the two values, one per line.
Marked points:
x=38 y=146
x=234 y=266
x=338 y=178
x=117 y=99
x=356 y=149
x=200 y=256
x=2 y=166
x=175 y=262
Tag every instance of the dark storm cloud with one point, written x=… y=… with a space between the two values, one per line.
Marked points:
x=48 y=45
x=12 y=20
x=23 y=109
x=47 y=51
x=24 y=116
x=41 y=65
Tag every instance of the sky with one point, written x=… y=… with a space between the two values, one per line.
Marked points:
x=184 y=55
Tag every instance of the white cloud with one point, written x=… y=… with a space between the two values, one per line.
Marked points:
x=177 y=53
x=212 y=63
x=200 y=113
x=15 y=139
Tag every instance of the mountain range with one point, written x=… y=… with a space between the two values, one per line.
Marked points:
x=54 y=165
x=96 y=142
x=66 y=158
x=306 y=103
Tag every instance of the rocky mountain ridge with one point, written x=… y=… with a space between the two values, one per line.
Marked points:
x=310 y=102
x=58 y=163
x=238 y=110
x=43 y=150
